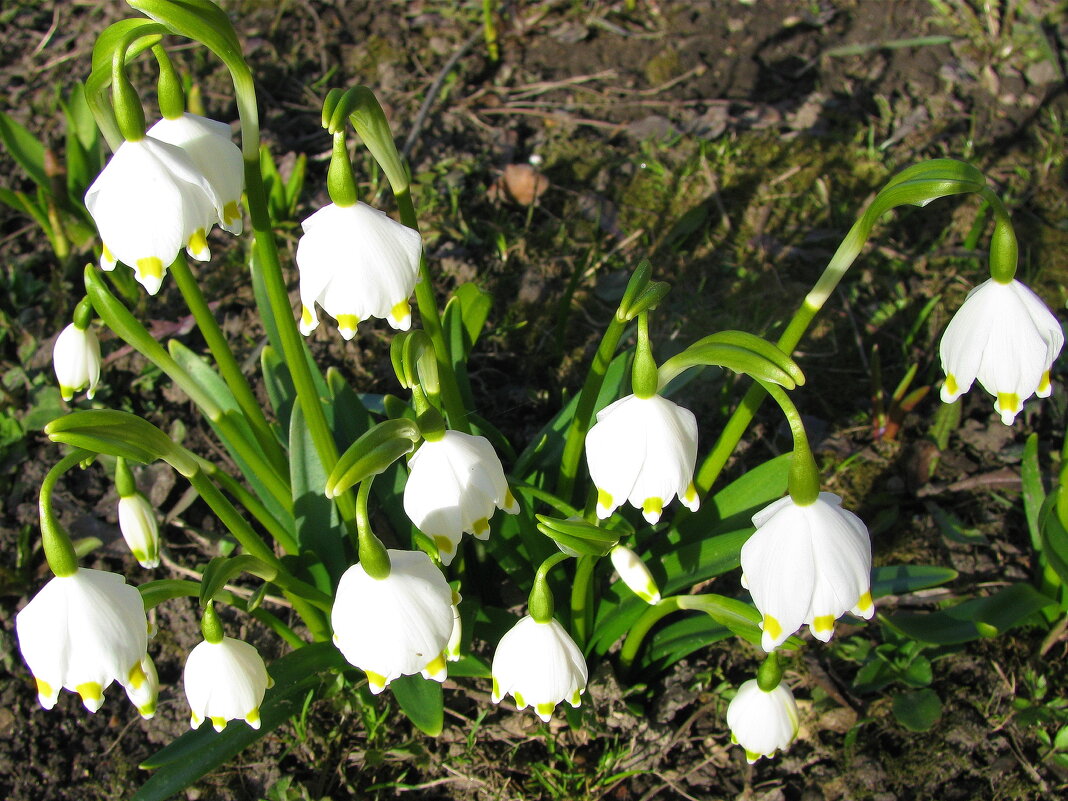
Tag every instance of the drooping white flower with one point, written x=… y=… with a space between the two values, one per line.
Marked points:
x=1005 y=336
x=762 y=722
x=143 y=689
x=81 y=632
x=225 y=681
x=807 y=564
x=396 y=626
x=633 y=572
x=540 y=666
x=643 y=450
x=356 y=262
x=76 y=359
x=148 y=203
x=137 y=522
x=454 y=485
x=214 y=154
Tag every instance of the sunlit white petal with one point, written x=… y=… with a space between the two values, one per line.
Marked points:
x=82 y=632
x=396 y=626
x=634 y=573
x=539 y=665
x=137 y=522
x=643 y=451
x=356 y=262
x=1004 y=336
x=454 y=485
x=225 y=681
x=76 y=359
x=762 y=722
x=807 y=564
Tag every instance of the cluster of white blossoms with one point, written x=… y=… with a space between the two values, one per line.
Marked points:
x=164 y=192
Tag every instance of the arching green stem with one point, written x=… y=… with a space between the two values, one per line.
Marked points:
x=643 y=375
x=582 y=598
x=58 y=549
x=373 y=555
x=643 y=626
x=804 y=480
x=540 y=604
x=169 y=94
x=915 y=185
x=1004 y=250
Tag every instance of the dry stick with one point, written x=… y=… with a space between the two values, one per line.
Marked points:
x=432 y=94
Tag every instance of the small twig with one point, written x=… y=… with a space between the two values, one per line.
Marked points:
x=432 y=93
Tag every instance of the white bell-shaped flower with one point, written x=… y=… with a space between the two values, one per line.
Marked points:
x=454 y=485
x=82 y=632
x=137 y=522
x=762 y=722
x=633 y=572
x=643 y=450
x=356 y=262
x=225 y=681
x=214 y=154
x=148 y=203
x=143 y=689
x=1004 y=336
x=396 y=626
x=540 y=666
x=76 y=359
x=807 y=564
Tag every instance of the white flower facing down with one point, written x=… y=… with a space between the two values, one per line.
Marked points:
x=76 y=359
x=807 y=564
x=143 y=689
x=356 y=262
x=225 y=681
x=633 y=572
x=137 y=522
x=82 y=632
x=643 y=450
x=540 y=666
x=1004 y=336
x=396 y=626
x=148 y=203
x=762 y=722
x=454 y=485
x=214 y=154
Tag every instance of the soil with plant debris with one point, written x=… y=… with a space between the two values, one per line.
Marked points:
x=732 y=143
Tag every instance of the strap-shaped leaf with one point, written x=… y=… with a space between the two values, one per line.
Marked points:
x=422 y=701
x=25 y=148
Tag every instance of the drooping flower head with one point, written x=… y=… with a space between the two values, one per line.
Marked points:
x=225 y=681
x=137 y=522
x=807 y=564
x=81 y=632
x=634 y=573
x=540 y=666
x=76 y=359
x=762 y=722
x=643 y=450
x=356 y=262
x=148 y=203
x=398 y=625
x=1004 y=336
x=454 y=485
x=214 y=154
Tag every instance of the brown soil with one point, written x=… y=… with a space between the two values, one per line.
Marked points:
x=603 y=97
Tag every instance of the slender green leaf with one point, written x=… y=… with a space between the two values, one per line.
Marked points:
x=317 y=523
x=900 y=579
x=26 y=149
x=279 y=383
x=979 y=617
x=422 y=701
x=1034 y=494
